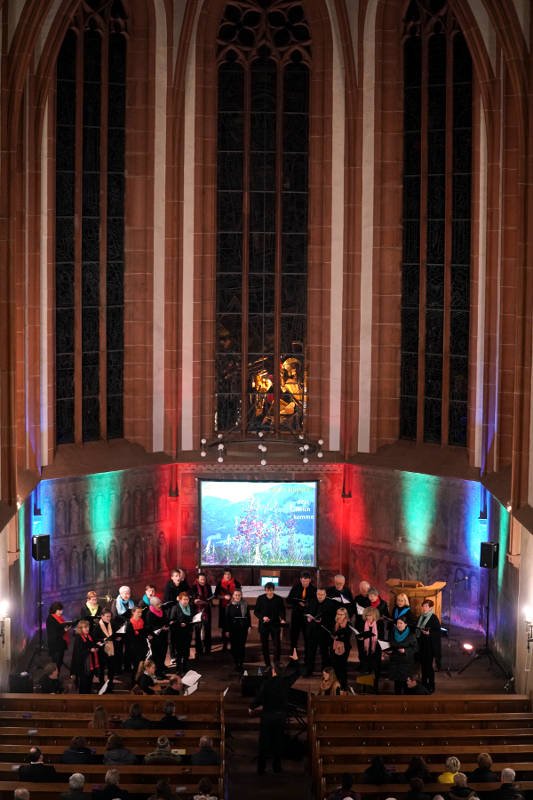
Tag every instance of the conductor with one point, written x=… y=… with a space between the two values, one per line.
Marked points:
x=272 y=700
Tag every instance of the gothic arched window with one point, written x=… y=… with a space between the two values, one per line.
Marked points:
x=436 y=225
x=264 y=53
x=89 y=235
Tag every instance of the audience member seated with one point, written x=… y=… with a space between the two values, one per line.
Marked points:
x=50 y=682
x=111 y=789
x=115 y=753
x=345 y=789
x=483 y=772
x=330 y=684
x=136 y=721
x=21 y=794
x=377 y=773
x=416 y=790
x=205 y=756
x=163 y=791
x=460 y=789
x=205 y=790
x=417 y=768
x=78 y=752
x=76 y=782
x=453 y=765
x=100 y=719
x=36 y=769
x=174 y=685
x=509 y=790
x=162 y=754
x=169 y=720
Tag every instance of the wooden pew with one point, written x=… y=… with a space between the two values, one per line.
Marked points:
x=207 y=703
x=354 y=705
x=97 y=736
x=391 y=722
x=68 y=719
x=399 y=790
x=51 y=791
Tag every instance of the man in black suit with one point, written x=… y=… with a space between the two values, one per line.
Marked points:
x=270 y=611
x=36 y=770
x=299 y=598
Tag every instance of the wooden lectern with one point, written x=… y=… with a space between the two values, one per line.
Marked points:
x=416 y=592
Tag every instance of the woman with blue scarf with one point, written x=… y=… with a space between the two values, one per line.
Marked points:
x=402 y=610
x=402 y=655
x=181 y=632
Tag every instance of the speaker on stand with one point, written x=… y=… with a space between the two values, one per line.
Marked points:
x=40 y=551
x=488 y=559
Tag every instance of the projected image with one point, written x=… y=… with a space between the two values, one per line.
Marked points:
x=258 y=523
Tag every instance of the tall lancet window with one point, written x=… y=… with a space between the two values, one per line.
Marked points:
x=436 y=223
x=264 y=53
x=89 y=234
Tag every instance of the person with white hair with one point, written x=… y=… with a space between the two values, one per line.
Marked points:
x=21 y=794
x=76 y=782
x=122 y=609
x=341 y=594
x=509 y=790
x=111 y=789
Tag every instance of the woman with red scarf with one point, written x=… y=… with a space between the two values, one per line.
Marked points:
x=156 y=625
x=371 y=632
x=85 y=663
x=376 y=601
x=224 y=591
x=136 y=644
x=56 y=634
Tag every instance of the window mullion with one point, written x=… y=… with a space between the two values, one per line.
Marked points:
x=78 y=213
x=448 y=205
x=277 y=263
x=246 y=244
x=424 y=99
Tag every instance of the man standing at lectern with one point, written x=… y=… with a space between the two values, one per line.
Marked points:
x=270 y=611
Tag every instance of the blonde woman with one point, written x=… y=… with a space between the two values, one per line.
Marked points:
x=370 y=633
x=329 y=685
x=402 y=610
x=84 y=664
x=341 y=646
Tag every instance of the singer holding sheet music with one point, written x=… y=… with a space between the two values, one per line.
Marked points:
x=85 y=662
x=238 y=624
x=156 y=623
x=91 y=609
x=57 y=633
x=371 y=631
x=429 y=643
x=181 y=624
x=135 y=638
x=103 y=636
x=270 y=611
x=341 y=594
x=300 y=596
x=201 y=596
x=341 y=646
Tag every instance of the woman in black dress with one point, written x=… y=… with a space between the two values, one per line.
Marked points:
x=238 y=624
x=341 y=646
x=402 y=656
x=371 y=633
x=429 y=645
x=135 y=637
x=181 y=627
x=103 y=635
x=85 y=662
x=156 y=624
x=56 y=633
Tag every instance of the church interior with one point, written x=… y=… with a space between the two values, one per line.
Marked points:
x=273 y=241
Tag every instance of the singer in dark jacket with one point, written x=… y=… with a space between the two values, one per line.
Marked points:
x=56 y=633
x=429 y=643
x=201 y=596
x=181 y=631
x=321 y=615
x=270 y=611
x=156 y=624
x=300 y=596
x=238 y=624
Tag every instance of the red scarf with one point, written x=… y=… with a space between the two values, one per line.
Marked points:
x=137 y=625
x=228 y=587
x=93 y=657
x=157 y=611
x=58 y=616
x=375 y=603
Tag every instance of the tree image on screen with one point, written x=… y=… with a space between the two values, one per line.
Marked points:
x=268 y=524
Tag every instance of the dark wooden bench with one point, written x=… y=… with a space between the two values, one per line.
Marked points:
x=97 y=736
x=399 y=790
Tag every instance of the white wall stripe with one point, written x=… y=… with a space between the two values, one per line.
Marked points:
x=482 y=280
x=367 y=228
x=188 y=250
x=160 y=158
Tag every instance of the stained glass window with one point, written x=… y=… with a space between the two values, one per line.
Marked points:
x=264 y=54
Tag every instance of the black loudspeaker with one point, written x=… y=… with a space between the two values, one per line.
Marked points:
x=488 y=556
x=40 y=547
x=21 y=683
